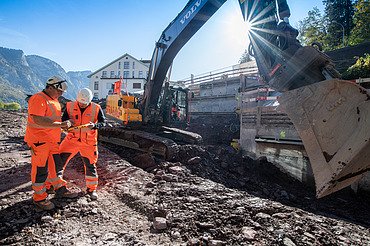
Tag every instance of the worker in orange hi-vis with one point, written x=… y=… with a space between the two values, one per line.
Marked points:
x=43 y=136
x=82 y=137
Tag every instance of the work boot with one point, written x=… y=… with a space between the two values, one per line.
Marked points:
x=63 y=192
x=44 y=204
x=93 y=195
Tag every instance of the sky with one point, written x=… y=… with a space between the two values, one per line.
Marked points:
x=88 y=34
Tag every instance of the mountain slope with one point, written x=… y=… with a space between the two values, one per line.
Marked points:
x=22 y=74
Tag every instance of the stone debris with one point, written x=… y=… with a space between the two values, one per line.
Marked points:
x=248 y=233
x=288 y=242
x=194 y=160
x=159 y=223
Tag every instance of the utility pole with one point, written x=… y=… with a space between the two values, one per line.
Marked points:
x=342 y=31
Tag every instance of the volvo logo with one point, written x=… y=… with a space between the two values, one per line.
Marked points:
x=191 y=11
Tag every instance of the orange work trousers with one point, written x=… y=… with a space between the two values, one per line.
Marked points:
x=46 y=165
x=89 y=153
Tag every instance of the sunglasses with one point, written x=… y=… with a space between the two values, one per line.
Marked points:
x=58 y=85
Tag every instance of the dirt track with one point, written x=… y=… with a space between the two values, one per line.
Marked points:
x=209 y=196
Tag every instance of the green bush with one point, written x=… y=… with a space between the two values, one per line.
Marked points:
x=361 y=69
x=10 y=106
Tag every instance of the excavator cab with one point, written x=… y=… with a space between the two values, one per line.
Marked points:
x=173 y=105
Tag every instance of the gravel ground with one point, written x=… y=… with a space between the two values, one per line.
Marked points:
x=210 y=195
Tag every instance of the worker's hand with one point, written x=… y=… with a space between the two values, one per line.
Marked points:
x=90 y=125
x=66 y=124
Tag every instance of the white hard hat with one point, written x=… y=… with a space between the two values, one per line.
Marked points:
x=58 y=83
x=84 y=96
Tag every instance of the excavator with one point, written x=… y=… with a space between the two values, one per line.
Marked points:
x=331 y=115
x=158 y=134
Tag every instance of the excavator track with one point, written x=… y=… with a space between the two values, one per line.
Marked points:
x=181 y=136
x=140 y=140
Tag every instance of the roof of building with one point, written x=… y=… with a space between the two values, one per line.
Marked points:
x=144 y=62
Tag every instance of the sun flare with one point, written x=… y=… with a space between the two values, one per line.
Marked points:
x=248 y=26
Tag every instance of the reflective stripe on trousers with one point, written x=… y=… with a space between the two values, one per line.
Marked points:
x=45 y=157
x=91 y=182
x=39 y=189
x=89 y=154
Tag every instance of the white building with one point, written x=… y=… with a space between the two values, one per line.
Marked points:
x=133 y=71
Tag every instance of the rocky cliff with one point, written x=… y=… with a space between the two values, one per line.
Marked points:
x=22 y=75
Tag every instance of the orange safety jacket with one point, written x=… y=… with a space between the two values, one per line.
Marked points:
x=89 y=136
x=175 y=112
x=37 y=133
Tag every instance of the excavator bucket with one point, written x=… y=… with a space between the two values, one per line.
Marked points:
x=333 y=120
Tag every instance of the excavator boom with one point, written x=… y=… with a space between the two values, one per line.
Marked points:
x=194 y=15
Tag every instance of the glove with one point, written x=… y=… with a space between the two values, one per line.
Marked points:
x=99 y=125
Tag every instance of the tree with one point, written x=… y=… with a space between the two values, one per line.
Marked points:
x=339 y=15
x=361 y=69
x=12 y=106
x=361 y=19
x=246 y=57
x=312 y=28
